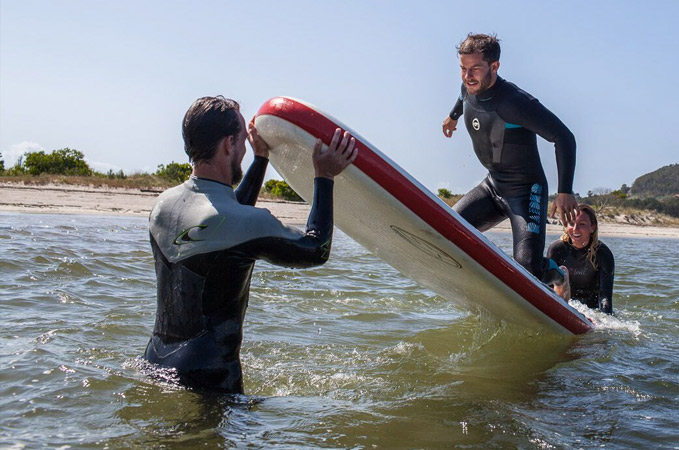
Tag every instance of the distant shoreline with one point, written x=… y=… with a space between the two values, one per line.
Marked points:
x=72 y=199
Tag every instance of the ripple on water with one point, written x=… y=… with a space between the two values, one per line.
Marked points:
x=347 y=355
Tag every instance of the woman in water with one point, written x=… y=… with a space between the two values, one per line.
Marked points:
x=590 y=263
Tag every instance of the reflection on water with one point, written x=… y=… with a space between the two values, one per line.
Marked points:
x=347 y=355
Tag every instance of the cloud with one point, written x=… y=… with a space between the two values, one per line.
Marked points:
x=102 y=166
x=15 y=151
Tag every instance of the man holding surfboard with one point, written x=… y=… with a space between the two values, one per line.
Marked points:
x=206 y=237
x=503 y=122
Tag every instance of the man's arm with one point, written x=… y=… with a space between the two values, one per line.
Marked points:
x=313 y=247
x=291 y=248
x=248 y=190
x=528 y=112
x=450 y=122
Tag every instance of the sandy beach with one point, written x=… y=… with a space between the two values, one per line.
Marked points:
x=67 y=199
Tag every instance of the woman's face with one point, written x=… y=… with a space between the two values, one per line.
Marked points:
x=581 y=232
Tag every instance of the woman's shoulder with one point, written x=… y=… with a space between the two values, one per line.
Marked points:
x=557 y=248
x=603 y=250
x=602 y=247
x=559 y=244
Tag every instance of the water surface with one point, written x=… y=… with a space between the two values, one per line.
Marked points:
x=349 y=355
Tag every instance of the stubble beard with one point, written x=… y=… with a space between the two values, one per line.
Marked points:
x=484 y=84
x=236 y=173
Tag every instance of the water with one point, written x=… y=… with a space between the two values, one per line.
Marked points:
x=349 y=355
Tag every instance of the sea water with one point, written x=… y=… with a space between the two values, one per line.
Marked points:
x=348 y=355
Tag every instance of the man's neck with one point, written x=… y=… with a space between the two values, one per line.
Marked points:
x=488 y=92
x=210 y=171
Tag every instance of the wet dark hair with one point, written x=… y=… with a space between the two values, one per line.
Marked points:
x=206 y=122
x=487 y=45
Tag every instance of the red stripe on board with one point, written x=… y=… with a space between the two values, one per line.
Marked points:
x=428 y=210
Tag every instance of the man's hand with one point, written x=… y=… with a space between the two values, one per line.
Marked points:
x=340 y=153
x=449 y=125
x=259 y=147
x=567 y=207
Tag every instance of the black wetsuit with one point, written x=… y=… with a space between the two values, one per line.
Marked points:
x=205 y=239
x=593 y=287
x=503 y=122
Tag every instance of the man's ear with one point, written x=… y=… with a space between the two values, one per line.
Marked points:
x=226 y=144
x=494 y=66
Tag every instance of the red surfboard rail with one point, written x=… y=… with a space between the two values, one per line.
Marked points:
x=412 y=196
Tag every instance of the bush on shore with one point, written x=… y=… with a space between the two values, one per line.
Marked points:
x=174 y=172
x=65 y=161
x=277 y=188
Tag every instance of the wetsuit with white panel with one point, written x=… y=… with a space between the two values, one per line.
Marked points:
x=206 y=238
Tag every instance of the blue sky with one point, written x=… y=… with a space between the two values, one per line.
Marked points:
x=114 y=79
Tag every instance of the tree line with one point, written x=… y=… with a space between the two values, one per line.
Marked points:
x=604 y=200
x=656 y=191
x=71 y=162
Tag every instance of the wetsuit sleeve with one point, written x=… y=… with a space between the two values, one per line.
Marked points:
x=311 y=248
x=248 y=190
x=529 y=113
x=606 y=277
x=458 y=109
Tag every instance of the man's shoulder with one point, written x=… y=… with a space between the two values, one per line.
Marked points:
x=511 y=92
x=169 y=191
x=169 y=194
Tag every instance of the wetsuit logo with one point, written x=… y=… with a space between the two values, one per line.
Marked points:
x=476 y=124
x=184 y=237
x=534 y=209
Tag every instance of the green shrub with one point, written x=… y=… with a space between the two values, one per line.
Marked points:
x=445 y=193
x=60 y=162
x=174 y=172
x=282 y=189
x=113 y=175
x=671 y=206
x=619 y=194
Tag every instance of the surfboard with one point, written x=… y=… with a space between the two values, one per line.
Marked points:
x=383 y=208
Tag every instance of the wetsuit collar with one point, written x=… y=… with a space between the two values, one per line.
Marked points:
x=193 y=177
x=489 y=93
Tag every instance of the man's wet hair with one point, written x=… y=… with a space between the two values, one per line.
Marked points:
x=487 y=45
x=206 y=122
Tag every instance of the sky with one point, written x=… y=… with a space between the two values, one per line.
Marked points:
x=113 y=79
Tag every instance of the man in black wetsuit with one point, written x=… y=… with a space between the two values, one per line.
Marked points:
x=503 y=121
x=206 y=238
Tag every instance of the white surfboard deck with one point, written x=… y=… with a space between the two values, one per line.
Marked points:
x=384 y=209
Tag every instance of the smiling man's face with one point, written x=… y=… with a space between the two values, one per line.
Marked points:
x=477 y=74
